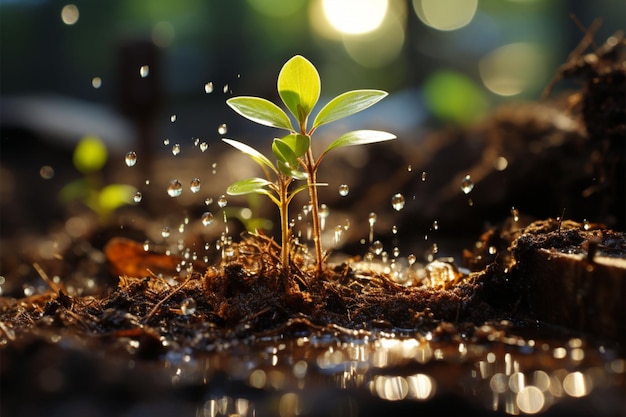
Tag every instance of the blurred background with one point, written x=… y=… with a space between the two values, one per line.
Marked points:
x=145 y=76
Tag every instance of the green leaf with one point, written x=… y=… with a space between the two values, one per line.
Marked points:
x=284 y=153
x=299 y=87
x=288 y=171
x=249 y=185
x=115 y=195
x=257 y=156
x=298 y=143
x=360 y=137
x=347 y=104
x=260 y=111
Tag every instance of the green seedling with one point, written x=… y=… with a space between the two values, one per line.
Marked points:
x=89 y=157
x=299 y=88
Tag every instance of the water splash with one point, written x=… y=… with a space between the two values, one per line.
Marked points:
x=130 y=159
x=467 y=185
x=175 y=188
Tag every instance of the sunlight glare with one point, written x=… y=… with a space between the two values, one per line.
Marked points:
x=355 y=17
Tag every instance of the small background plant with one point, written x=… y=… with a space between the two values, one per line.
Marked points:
x=299 y=87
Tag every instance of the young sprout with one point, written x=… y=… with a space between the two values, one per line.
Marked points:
x=287 y=152
x=299 y=88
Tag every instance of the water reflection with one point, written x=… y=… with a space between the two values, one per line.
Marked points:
x=289 y=378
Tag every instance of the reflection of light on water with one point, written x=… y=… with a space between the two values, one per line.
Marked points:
x=511 y=376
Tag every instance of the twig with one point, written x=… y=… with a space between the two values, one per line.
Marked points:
x=167 y=297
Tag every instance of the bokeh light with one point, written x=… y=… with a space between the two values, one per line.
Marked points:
x=454 y=97
x=355 y=16
x=445 y=14
x=513 y=69
x=163 y=34
x=69 y=14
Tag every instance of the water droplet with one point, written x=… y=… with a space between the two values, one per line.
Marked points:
x=492 y=250
x=175 y=188
x=166 y=141
x=586 y=225
x=176 y=149
x=377 y=247
x=46 y=172
x=146 y=246
x=144 y=71
x=96 y=82
x=131 y=159
x=195 y=185
x=208 y=201
x=396 y=252
x=397 y=202
x=467 y=185
x=424 y=174
x=411 y=259
x=346 y=225
x=181 y=228
x=394 y=229
x=137 y=197
x=515 y=214
x=222 y=202
x=208 y=87
x=344 y=190
x=225 y=89
x=188 y=306
x=371 y=219
x=435 y=225
x=338 y=233
x=207 y=218
x=222 y=129
x=204 y=146
x=409 y=168
x=324 y=211
x=165 y=232
x=173 y=118
x=147 y=182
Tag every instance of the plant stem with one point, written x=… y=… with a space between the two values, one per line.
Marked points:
x=284 y=220
x=317 y=230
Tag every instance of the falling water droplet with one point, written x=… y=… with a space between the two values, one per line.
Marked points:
x=181 y=228
x=222 y=202
x=173 y=118
x=586 y=224
x=515 y=214
x=424 y=174
x=188 y=306
x=222 y=129
x=377 y=247
x=196 y=141
x=208 y=87
x=344 y=190
x=346 y=225
x=409 y=168
x=165 y=232
x=137 y=197
x=146 y=246
x=176 y=149
x=195 y=185
x=166 y=141
x=397 y=202
x=147 y=182
x=394 y=229
x=338 y=233
x=396 y=252
x=204 y=146
x=130 y=159
x=467 y=185
x=323 y=214
x=207 y=218
x=371 y=219
x=96 y=82
x=435 y=225
x=411 y=259
x=208 y=201
x=144 y=71
x=493 y=250
x=225 y=89
x=175 y=188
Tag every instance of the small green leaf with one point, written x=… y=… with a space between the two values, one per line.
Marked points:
x=114 y=196
x=288 y=171
x=299 y=87
x=347 y=104
x=260 y=111
x=90 y=154
x=298 y=143
x=360 y=137
x=257 y=156
x=249 y=185
x=284 y=153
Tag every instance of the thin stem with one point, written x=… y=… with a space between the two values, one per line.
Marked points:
x=317 y=230
x=284 y=222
